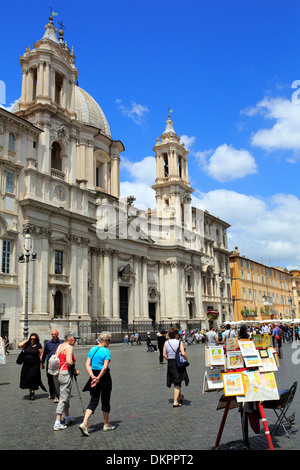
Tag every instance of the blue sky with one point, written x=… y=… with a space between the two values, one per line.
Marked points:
x=229 y=70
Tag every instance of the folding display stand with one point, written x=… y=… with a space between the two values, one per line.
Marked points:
x=233 y=390
x=244 y=420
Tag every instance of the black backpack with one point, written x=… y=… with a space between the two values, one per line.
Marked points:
x=279 y=334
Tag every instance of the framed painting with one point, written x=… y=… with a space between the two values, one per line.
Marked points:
x=253 y=361
x=247 y=348
x=234 y=360
x=233 y=384
x=262 y=341
x=212 y=381
x=217 y=357
x=268 y=362
x=232 y=344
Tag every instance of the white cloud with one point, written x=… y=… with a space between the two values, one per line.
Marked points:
x=285 y=133
x=144 y=194
x=260 y=228
x=223 y=164
x=144 y=170
x=142 y=175
x=188 y=141
x=227 y=163
x=10 y=107
x=135 y=111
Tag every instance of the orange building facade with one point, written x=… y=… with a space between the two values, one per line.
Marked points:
x=260 y=292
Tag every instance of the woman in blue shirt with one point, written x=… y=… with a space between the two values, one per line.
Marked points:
x=99 y=383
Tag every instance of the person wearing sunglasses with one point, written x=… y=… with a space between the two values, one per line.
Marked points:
x=99 y=383
x=31 y=372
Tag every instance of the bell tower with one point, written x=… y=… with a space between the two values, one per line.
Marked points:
x=49 y=76
x=172 y=186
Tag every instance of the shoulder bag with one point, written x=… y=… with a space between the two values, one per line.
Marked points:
x=180 y=360
x=20 y=358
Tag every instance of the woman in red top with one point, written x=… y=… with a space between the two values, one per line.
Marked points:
x=64 y=380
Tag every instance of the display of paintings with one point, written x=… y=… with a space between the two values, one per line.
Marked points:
x=247 y=348
x=233 y=384
x=234 y=360
x=253 y=361
x=232 y=344
x=216 y=354
x=268 y=361
x=256 y=382
x=259 y=386
x=262 y=341
x=212 y=381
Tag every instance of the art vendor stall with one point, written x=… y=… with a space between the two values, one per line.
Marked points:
x=244 y=371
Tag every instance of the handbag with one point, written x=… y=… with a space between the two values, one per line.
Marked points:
x=20 y=358
x=179 y=359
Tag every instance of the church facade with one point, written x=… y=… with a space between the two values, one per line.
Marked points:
x=99 y=260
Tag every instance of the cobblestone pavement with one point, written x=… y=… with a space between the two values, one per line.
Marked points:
x=141 y=407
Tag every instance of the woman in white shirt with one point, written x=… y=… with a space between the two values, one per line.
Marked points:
x=175 y=375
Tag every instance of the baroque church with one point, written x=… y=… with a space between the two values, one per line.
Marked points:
x=100 y=263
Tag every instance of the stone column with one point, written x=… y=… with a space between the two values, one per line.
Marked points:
x=107 y=285
x=115 y=181
x=137 y=287
x=24 y=80
x=40 y=79
x=145 y=307
x=46 y=79
x=115 y=287
x=162 y=302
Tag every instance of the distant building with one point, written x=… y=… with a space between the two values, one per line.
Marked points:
x=295 y=292
x=101 y=262
x=259 y=292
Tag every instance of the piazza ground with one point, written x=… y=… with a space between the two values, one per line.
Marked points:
x=141 y=408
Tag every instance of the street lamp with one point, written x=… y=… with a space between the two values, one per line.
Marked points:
x=25 y=258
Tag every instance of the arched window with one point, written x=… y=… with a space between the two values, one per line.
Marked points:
x=180 y=166
x=166 y=165
x=56 y=160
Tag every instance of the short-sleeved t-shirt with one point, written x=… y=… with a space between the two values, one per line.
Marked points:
x=98 y=354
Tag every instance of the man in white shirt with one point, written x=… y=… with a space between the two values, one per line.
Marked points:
x=212 y=336
x=228 y=333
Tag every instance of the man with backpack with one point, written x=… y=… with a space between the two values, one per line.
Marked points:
x=279 y=337
x=50 y=349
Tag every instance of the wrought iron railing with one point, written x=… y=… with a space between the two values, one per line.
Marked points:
x=90 y=331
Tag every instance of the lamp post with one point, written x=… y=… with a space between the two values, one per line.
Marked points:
x=25 y=258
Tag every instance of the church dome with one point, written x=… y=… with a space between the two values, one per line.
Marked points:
x=88 y=111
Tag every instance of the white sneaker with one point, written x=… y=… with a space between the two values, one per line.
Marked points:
x=109 y=428
x=59 y=427
x=83 y=429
